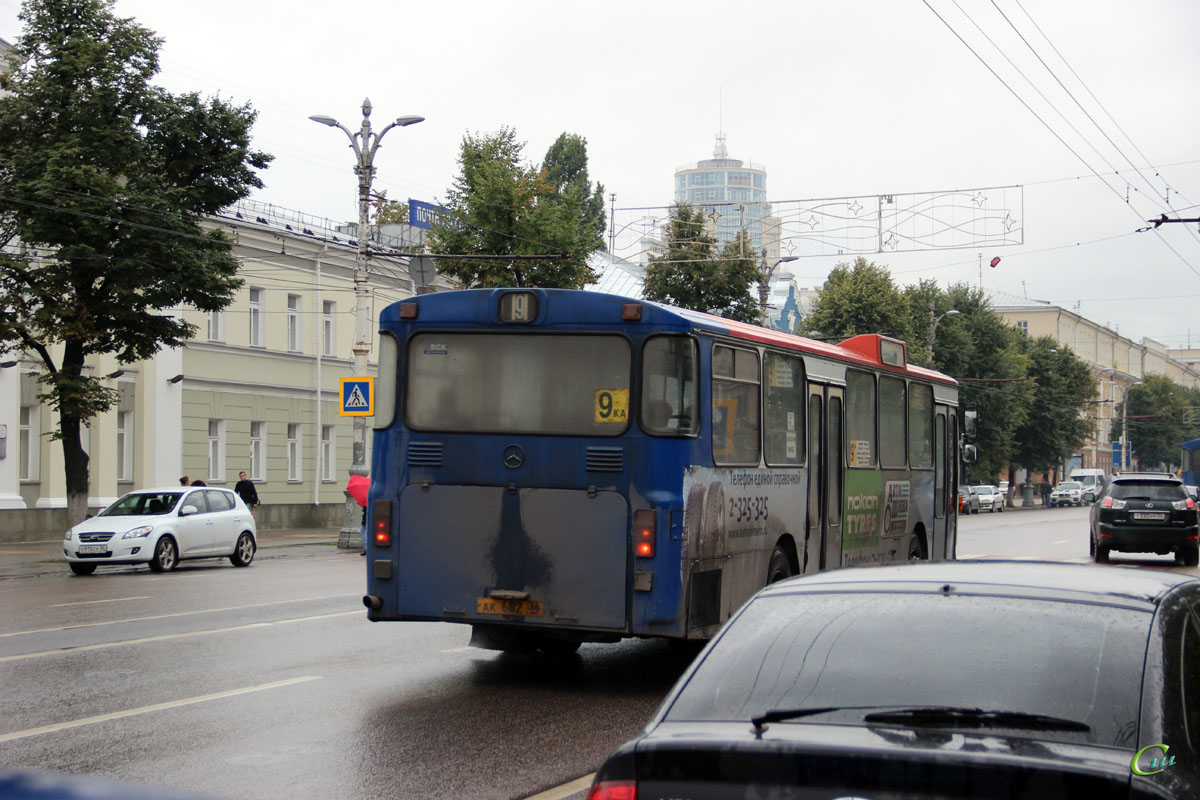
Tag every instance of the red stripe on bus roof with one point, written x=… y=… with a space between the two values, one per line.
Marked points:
x=744 y=330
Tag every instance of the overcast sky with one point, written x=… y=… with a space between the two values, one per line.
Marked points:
x=833 y=98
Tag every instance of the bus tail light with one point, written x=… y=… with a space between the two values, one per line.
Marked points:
x=643 y=533
x=613 y=790
x=381 y=523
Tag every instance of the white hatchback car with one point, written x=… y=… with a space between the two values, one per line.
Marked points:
x=159 y=527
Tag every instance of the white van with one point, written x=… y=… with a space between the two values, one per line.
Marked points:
x=1092 y=480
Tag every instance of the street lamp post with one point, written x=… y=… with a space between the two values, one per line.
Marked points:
x=954 y=312
x=364 y=143
x=764 y=282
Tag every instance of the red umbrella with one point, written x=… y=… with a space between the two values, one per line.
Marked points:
x=357 y=487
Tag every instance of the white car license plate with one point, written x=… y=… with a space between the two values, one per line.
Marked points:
x=93 y=548
x=1149 y=515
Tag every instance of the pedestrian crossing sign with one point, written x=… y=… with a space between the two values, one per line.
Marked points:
x=358 y=397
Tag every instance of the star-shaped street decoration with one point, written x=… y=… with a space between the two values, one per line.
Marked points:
x=979 y=199
x=855 y=207
x=1009 y=223
x=790 y=246
x=811 y=222
x=716 y=215
x=891 y=242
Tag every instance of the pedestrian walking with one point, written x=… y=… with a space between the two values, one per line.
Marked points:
x=1045 y=490
x=245 y=490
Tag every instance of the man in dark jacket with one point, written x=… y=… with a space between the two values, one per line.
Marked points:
x=245 y=490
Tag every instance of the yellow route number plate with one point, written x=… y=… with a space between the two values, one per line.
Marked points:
x=520 y=608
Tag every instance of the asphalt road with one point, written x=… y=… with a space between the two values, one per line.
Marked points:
x=269 y=681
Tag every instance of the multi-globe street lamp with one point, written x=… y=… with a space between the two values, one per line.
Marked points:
x=364 y=142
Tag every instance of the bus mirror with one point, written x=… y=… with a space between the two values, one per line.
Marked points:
x=969 y=453
x=971 y=421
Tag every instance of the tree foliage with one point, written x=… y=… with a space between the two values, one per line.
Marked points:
x=858 y=298
x=501 y=206
x=1060 y=419
x=104 y=179
x=695 y=273
x=1160 y=415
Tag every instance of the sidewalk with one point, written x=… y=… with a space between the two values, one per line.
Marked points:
x=30 y=559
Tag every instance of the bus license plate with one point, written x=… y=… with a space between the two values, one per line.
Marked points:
x=520 y=608
x=93 y=548
x=1149 y=515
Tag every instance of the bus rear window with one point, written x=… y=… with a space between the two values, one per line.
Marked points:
x=518 y=383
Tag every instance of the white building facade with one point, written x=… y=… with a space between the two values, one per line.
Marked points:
x=256 y=390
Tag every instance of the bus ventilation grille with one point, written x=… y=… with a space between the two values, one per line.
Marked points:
x=424 y=454
x=605 y=459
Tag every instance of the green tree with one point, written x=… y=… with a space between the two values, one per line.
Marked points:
x=858 y=298
x=104 y=180
x=1156 y=411
x=1057 y=423
x=542 y=222
x=983 y=354
x=693 y=273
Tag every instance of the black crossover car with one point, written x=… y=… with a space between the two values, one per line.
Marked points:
x=936 y=680
x=1144 y=513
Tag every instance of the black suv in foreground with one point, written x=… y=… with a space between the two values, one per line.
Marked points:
x=1144 y=513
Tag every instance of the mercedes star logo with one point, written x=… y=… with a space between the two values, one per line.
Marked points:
x=513 y=456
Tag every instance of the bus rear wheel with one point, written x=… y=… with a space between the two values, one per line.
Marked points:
x=915 y=551
x=780 y=567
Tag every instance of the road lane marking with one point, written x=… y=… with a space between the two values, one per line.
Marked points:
x=169 y=636
x=565 y=790
x=178 y=614
x=95 y=602
x=464 y=649
x=1064 y=541
x=204 y=698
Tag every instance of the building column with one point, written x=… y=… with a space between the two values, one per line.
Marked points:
x=159 y=420
x=53 y=465
x=102 y=460
x=10 y=437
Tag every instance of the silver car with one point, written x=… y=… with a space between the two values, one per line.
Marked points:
x=989 y=498
x=159 y=527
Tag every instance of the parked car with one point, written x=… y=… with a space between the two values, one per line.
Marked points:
x=159 y=527
x=968 y=501
x=1067 y=493
x=989 y=498
x=1145 y=513
x=887 y=682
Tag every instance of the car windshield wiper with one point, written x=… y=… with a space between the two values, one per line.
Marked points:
x=781 y=714
x=977 y=717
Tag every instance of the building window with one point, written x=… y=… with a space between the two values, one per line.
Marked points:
x=29 y=443
x=216 y=326
x=293 y=323
x=216 y=451
x=256 y=451
x=328 y=328
x=256 y=316
x=124 y=446
x=1023 y=324
x=293 y=451
x=327 y=453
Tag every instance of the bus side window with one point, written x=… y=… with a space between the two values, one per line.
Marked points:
x=669 y=386
x=735 y=404
x=783 y=429
x=920 y=426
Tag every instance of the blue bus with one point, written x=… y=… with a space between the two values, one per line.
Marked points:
x=1189 y=462
x=554 y=467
